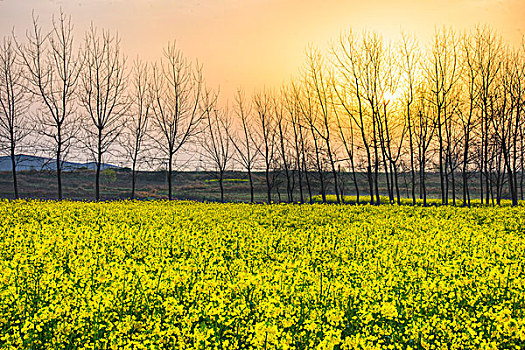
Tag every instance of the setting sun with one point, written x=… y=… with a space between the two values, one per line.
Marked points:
x=389 y=96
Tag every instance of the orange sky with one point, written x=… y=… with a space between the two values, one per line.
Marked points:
x=256 y=43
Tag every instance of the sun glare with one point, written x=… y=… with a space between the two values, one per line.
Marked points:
x=391 y=96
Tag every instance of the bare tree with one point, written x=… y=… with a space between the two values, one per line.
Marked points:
x=294 y=119
x=178 y=104
x=267 y=134
x=443 y=74
x=509 y=116
x=244 y=140
x=410 y=63
x=468 y=112
x=380 y=86
x=52 y=73
x=319 y=80
x=102 y=95
x=309 y=115
x=13 y=104
x=301 y=109
x=216 y=142
x=138 y=120
x=281 y=113
x=424 y=130
x=346 y=126
x=392 y=131
x=485 y=64
x=353 y=68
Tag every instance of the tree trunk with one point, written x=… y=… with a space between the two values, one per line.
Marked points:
x=369 y=162
x=422 y=181
x=387 y=177
x=466 y=202
x=99 y=163
x=250 y=178
x=300 y=177
x=307 y=178
x=411 y=145
x=512 y=188
x=376 y=180
x=13 y=169
x=441 y=175
x=285 y=163
x=481 y=177
x=59 y=162
x=133 y=180
x=268 y=186
x=488 y=185
x=133 y=176
x=521 y=161
x=453 y=179
x=221 y=185
x=370 y=181
x=170 y=171
x=376 y=163
x=356 y=185
x=396 y=180
x=334 y=173
x=392 y=181
x=319 y=169
x=97 y=181
x=446 y=173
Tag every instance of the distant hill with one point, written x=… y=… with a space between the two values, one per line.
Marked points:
x=27 y=162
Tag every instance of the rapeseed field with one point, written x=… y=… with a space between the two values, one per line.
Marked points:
x=183 y=275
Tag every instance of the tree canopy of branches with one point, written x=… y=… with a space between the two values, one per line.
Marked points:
x=179 y=104
x=134 y=135
x=13 y=104
x=102 y=95
x=378 y=114
x=52 y=71
x=217 y=146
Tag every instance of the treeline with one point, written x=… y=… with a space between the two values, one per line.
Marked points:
x=383 y=109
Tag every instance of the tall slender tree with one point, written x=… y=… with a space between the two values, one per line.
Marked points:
x=14 y=102
x=216 y=143
x=102 y=95
x=138 y=119
x=243 y=140
x=52 y=71
x=267 y=135
x=320 y=82
x=443 y=74
x=410 y=66
x=179 y=104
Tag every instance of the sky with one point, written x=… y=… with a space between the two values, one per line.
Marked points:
x=251 y=44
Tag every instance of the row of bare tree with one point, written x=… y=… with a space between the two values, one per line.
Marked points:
x=84 y=97
x=365 y=108
x=392 y=110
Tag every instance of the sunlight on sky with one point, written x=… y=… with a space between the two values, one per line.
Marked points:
x=256 y=43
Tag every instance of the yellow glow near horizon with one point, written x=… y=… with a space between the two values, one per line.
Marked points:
x=390 y=97
x=257 y=43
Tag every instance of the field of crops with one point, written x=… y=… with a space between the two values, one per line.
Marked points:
x=154 y=275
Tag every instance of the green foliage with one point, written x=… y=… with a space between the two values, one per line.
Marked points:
x=109 y=175
x=226 y=180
